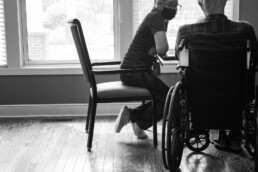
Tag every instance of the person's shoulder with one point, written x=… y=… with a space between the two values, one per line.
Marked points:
x=186 y=27
x=199 y=22
x=244 y=24
x=154 y=17
x=154 y=13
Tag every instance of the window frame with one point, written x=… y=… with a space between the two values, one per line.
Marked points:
x=235 y=9
x=16 y=39
x=3 y=52
x=24 y=34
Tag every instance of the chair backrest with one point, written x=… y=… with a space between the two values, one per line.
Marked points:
x=216 y=79
x=82 y=50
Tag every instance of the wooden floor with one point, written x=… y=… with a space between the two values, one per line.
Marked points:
x=35 y=145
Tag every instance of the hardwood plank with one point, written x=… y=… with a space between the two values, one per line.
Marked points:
x=81 y=157
x=75 y=142
x=16 y=159
x=118 y=157
x=47 y=146
x=10 y=145
x=109 y=156
x=32 y=140
x=90 y=162
x=64 y=155
x=99 y=151
x=61 y=139
x=39 y=145
x=38 y=150
x=5 y=127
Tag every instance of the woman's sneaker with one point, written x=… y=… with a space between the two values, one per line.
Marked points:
x=122 y=119
x=139 y=133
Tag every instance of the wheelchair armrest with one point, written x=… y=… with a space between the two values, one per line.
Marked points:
x=182 y=45
x=119 y=71
x=183 y=54
x=106 y=63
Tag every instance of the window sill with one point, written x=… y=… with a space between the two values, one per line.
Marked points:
x=169 y=67
x=43 y=70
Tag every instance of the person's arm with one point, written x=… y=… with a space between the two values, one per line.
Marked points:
x=177 y=45
x=161 y=42
x=179 y=36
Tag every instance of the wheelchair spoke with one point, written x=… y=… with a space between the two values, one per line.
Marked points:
x=202 y=136
x=201 y=143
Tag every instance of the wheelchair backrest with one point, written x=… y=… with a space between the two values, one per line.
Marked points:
x=216 y=77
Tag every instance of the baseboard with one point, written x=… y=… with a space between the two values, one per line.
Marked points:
x=59 y=110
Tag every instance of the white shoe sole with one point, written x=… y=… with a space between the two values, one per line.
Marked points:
x=140 y=134
x=121 y=120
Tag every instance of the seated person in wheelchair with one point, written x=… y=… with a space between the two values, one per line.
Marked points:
x=216 y=21
x=150 y=39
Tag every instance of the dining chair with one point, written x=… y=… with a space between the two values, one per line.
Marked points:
x=107 y=92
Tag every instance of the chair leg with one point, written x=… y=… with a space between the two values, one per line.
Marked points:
x=88 y=115
x=91 y=124
x=154 y=123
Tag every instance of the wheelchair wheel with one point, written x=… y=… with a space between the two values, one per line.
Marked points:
x=175 y=129
x=197 y=140
x=250 y=129
x=164 y=126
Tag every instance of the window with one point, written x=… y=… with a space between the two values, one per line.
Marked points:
x=3 y=61
x=35 y=38
x=49 y=36
x=189 y=13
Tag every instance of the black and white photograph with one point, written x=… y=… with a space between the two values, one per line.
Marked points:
x=128 y=85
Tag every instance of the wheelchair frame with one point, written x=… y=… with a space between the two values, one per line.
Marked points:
x=177 y=127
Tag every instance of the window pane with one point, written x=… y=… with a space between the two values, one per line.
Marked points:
x=49 y=35
x=3 y=60
x=189 y=13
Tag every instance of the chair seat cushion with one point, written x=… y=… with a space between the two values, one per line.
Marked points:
x=117 y=89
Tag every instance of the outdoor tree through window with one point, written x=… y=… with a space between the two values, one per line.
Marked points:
x=49 y=35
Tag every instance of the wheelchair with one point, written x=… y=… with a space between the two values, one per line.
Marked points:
x=214 y=93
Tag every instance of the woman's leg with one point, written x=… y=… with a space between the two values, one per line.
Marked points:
x=142 y=114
